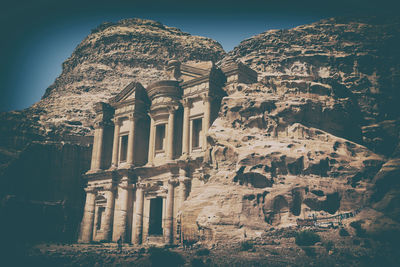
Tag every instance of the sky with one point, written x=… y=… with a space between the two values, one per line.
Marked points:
x=38 y=35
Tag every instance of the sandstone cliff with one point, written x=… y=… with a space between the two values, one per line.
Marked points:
x=108 y=59
x=311 y=137
x=318 y=134
x=355 y=61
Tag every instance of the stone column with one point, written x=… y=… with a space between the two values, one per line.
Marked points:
x=114 y=162
x=121 y=215
x=94 y=152
x=151 y=142
x=108 y=213
x=131 y=140
x=88 y=217
x=137 y=232
x=97 y=147
x=170 y=135
x=206 y=119
x=170 y=212
x=186 y=125
x=183 y=186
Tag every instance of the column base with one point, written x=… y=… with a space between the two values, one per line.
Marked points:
x=93 y=171
x=113 y=167
x=126 y=166
x=185 y=156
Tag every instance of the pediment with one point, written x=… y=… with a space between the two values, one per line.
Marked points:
x=131 y=92
x=193 y=70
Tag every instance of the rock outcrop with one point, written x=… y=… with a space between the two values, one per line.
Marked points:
x=312 y=138
x=266 y=169
x=108 y=59
x=318 y=134
x=353 y=60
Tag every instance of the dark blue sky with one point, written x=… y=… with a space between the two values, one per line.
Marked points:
x=38 y=35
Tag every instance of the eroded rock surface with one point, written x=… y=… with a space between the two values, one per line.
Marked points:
x=321 y=127
x=319 y=133
x=270 y=173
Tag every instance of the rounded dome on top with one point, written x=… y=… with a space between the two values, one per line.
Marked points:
x=169 y=88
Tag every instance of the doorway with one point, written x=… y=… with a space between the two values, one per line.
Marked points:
x=155 y=220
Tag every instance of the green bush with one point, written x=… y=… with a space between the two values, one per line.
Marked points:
x=310 y=251
x=329 y=245
x=246 y=245
x=307 y=238
x=196 y=262
x=164 y=257
x=343 y=232
x=203 y=252
x=360 y=232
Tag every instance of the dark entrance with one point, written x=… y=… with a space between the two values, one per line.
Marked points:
x=155 y=224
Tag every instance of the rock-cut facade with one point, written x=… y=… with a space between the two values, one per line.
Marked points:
x=149 y=146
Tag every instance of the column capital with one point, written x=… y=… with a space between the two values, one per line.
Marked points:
x=90 y=189
x=117 y=121
x=206 y=97
x=98 y=124
x=132 y=116
x=182 y=173
x=187 y=102
x=184 y=180
x=101 y=124
x=109 y=187
x=173 y=181
x=142 y=186
x=150 y=115
x=124 y=183
x=172 y=109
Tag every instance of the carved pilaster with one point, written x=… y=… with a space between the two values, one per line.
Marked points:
x=121 y=214
x=170 y=134
x=137 y=232
x=86 y=229
x=97 y=150
x=131 y=139
x=117 y=125
x=187 y=103
x=206 y=118
x=151 y=141
x=109 y=211
x=170 y=211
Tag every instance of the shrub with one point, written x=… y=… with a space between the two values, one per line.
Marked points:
x=329 y=245
x=343 y=232
x=360 y=232
x=246 y=245
x=307 y=238
x=203 y=252
x=310 y=251
x=164 y=257
x=196 y=262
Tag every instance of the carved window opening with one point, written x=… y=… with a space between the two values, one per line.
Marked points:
x=124 y=148
x=100 y=212
x=196 y=133
x=155 y=220
x=100 y=204
x=160 y=137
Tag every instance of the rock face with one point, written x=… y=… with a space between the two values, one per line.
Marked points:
x=42 y=197
x=308 y=140
x=352 y=60
x=318 y=134
x=266 y=170
x=111 y=57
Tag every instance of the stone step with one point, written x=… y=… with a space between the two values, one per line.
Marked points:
x=155 y=239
